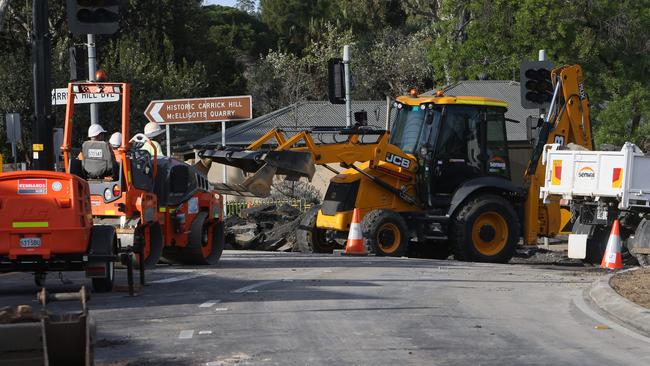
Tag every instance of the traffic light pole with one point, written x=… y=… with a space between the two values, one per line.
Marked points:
x=92 y=69
x=42 y=141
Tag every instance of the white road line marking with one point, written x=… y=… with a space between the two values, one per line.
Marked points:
x=209 y=304
x=205 y=332
x=186 y=334
x=253 y=286
x=221 y=309
x=188 y=276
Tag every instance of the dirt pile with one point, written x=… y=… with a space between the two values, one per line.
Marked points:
x=268 y=227
x=633 y=285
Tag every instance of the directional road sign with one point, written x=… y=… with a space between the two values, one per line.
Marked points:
x=60 y=97
x=200 y=110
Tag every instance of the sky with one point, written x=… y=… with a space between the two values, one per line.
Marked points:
x=221 y=2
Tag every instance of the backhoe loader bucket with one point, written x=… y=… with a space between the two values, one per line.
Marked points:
x=264 y=165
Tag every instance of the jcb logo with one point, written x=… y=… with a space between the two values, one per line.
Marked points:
x=398 y=160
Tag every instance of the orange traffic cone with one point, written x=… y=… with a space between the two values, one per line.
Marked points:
x=612 y=257
x=356 y=245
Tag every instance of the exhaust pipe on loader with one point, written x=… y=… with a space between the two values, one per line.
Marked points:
x=263 y=165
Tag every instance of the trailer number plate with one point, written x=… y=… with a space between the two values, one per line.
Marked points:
x=30 y=242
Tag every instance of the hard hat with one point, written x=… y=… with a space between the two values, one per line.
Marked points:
x=152 y=129
x=116 y=139
x=95 y=130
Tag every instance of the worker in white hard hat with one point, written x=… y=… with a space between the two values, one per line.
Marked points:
x=116 y=142
x=95 y=133
x=154 y=132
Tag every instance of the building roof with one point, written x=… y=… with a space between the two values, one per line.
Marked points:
x=298 y=116
x=505 y=90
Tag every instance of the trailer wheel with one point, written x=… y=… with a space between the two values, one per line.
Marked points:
x=386 y=233
x=152 y=248
x=310 y=238
x=104 y=241
x=105 y=284
x=596 y=242
x=485 y=229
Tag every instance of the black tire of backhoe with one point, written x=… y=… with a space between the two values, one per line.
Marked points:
x=461 y=229
x=371 y=224
x=310 y=238
x=596 y=244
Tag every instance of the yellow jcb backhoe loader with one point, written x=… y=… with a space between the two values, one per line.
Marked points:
x=439 y=180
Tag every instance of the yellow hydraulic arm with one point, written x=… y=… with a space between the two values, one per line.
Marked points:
x=346 y=153
x=567 y=122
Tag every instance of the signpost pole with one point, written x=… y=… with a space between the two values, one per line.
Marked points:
x=92 y=68
x=225 y=170
x=168 y=138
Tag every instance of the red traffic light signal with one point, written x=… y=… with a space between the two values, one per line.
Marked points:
x=93 y=16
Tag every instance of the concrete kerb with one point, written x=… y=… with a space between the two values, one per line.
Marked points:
x=620 y=309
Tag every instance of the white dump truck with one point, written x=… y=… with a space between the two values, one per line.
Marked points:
x=602 y=186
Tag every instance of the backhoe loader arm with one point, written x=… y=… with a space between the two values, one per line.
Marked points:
x=567 y=122
x=296 y=156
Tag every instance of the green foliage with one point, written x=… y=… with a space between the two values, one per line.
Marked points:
x=608 y=38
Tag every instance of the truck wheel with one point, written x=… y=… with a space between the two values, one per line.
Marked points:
x=386 y=233
x=105 y=284
x=310 y=238
x=485 y=229
x=153 y=248
x=596 y=242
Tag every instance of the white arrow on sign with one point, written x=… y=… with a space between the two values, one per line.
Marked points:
x=60 y=97
x=155 y=112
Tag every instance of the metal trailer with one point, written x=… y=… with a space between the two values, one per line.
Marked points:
x=601 y=186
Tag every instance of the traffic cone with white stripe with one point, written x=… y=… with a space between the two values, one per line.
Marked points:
x=355 y=245
x=612 y=257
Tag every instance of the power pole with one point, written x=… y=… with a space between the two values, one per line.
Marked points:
x=42 y=140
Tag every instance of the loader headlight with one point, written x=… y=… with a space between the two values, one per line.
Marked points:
x=107 y=194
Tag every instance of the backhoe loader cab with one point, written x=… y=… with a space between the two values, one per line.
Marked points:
x=455 y=141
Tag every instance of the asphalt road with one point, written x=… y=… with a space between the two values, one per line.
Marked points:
x=289 y=309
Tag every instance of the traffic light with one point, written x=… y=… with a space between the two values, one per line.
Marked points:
x=93 y=16
x=78 y=63
x=336 y=81
x=535 y=84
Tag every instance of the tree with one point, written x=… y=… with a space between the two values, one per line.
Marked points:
x=608 y=38
x=249 y=6
x=294 y=20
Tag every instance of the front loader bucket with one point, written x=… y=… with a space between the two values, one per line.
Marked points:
x=264 y=165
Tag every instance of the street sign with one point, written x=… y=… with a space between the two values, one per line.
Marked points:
x=60 y=97
x=200 y=110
